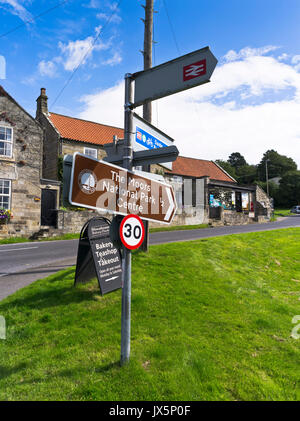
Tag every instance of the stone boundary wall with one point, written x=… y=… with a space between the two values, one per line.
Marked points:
x=72 y=221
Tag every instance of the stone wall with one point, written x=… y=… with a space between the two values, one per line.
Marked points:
x=50 y=148
x=72 y=221
x=23 y=168
x=263 y=206
x=70 y=147
x=235 y=218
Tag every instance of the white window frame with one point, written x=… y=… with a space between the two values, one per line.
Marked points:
x=177 y=179
x=6 y=195
x=90 y=149
x=7 y=141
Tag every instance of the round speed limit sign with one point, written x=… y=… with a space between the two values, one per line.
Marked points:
x=132 y=231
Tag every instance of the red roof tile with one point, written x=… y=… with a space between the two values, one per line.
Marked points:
x=83 y=130
x=193 y=167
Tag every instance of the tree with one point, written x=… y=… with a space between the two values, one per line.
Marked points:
x=236 y=160
x=246 y=174
x=277 y=165
x=227 y=167
x=273 y=190
x=289 y=189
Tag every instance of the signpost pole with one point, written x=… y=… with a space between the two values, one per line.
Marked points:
x=126 y=291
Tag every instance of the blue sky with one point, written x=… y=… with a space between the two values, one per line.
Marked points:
x=252 y=103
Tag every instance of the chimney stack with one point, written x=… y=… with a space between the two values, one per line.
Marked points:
x=42 y=104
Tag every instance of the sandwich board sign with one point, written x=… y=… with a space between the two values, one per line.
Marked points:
x=110 y=188
x=177 y=75
x=98 y=257
x=147 y=137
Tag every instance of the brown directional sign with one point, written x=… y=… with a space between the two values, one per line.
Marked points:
x=109 y=188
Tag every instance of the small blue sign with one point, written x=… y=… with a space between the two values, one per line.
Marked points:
x=147 y=140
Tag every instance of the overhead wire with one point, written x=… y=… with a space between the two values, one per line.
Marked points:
x=87 y=52
x=33 y=19
x=171 y=26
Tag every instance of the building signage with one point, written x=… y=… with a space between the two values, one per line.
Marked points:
x=98 y=257
x=177 y=75
x=109 y=188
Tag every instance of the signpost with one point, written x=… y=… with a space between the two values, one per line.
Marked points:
x=177 y=75
x=107 y=187
x=98 y=185
x=146 y=137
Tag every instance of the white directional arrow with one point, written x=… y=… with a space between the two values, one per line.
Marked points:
x=111 y=279
x=172 y=205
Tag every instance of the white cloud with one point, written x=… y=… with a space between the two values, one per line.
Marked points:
x=115 y=59
x=232 y=55
x=79 y=51
x=283 y=57
x=47 y=68
x=109 y=102
x=109 y=17
x=16 y=8
x=295 y=59
x=93 y=4
x=205 y=124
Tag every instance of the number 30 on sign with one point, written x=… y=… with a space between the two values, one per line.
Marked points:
x=132 y=232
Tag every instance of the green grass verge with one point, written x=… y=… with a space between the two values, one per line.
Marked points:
x=179 y=227
x=211 y=320
x=13 y=240
x=282 y=212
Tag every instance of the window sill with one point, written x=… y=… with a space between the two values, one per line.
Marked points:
x=7 y=158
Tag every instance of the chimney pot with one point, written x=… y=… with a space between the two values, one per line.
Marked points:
x=42 y=104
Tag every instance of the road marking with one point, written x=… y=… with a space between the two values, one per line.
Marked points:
x=23 y=248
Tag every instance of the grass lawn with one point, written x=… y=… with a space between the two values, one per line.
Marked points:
x=211 y=320
x=13 y=240
x=179 y=227
x=282 y=212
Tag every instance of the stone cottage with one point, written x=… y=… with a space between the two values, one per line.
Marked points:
x=21 y=143
x=67 y=135
x=206 y=193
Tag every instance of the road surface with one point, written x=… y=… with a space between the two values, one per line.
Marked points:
x=23 y=263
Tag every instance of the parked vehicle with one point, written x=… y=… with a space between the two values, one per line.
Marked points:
x=295 y=209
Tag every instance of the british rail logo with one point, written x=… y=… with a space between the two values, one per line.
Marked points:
x=194 y=70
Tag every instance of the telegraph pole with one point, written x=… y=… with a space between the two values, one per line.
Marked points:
x=147 y=52
x=147 y=107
